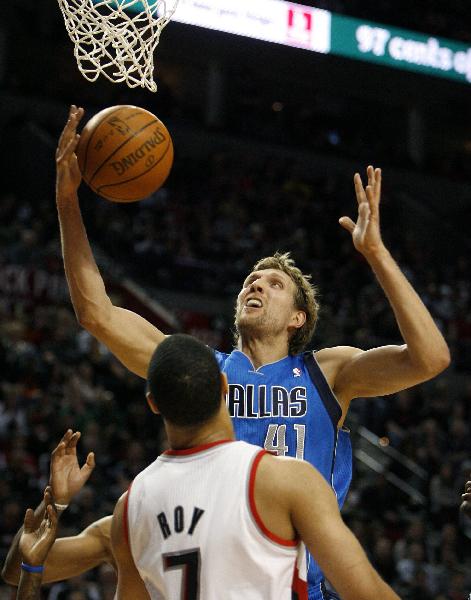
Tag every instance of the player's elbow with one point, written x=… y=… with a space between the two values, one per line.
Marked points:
x=88 y=321
x=428 y=363
x=93 y=318
x=438 y=362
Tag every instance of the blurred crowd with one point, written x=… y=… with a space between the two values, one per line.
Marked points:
x=201 y=234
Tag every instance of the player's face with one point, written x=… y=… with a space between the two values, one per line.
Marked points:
x=265 y=303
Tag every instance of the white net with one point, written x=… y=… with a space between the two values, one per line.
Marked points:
x=117 y=38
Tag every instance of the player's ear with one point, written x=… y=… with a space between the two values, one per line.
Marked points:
x=298 y=319
x=152 y=404
x=224 y=385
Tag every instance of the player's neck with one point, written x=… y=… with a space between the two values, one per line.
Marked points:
x=264 y=351
x=217 y=429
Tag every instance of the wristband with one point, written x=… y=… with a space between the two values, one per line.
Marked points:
x=60 y=507
x=31 y=569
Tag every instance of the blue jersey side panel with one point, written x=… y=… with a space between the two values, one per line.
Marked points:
x=288 y=407
x=343 y=466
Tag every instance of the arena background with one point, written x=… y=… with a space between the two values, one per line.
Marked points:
x=267 y=138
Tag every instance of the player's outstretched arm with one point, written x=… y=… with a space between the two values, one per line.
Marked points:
x=130 y=584
x=316 y=517
x=76 y=554
x=306 y=505
x=425 y=353
x=128 y=336
x=72 y=556
x=69 y=556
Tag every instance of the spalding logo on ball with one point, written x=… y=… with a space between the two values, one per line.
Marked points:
x=125 y=153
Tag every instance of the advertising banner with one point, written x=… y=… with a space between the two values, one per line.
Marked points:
x=317 y=30
x=269 y=20
x=400 y=49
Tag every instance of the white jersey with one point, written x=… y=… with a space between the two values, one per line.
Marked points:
x=195 y=534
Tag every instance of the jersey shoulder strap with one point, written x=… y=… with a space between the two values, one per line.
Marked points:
x=328 y=398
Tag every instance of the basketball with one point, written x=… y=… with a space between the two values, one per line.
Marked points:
x=125 y=153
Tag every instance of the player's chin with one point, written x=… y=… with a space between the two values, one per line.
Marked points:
x=249 y=325
x=248 y=315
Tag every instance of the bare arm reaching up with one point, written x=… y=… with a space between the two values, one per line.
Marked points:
x=306 y=507
x=388 y=369
x=128 y=336
x=73 y=555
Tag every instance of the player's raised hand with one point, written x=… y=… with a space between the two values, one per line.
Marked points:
x=68 y=172
x=365 y=232
x=66 y=477
x=466 y=504
x=35 y=543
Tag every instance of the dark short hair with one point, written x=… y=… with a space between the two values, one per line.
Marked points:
x=185 y=380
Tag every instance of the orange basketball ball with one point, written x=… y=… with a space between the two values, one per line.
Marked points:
x=125 y=153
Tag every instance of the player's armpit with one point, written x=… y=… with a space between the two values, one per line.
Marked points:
x=316 y=518
x=130 y=584
x=71 y=556
x=130 y=337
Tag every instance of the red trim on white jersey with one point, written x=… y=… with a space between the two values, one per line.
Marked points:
x=272 y=536
x=195 y=449
x=299 y=586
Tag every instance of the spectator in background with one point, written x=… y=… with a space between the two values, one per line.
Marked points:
x=443 y=495
x=382 y=559
x=414 y=570
x=415 y=533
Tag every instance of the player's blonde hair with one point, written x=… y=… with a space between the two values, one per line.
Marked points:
x=305 y=297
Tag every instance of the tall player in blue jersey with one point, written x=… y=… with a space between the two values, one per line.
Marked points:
x=289 y=402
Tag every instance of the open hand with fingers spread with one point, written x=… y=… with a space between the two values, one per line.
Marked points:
x=365 y=232
x=68 y=172
x=66 y=476
x=36 y=543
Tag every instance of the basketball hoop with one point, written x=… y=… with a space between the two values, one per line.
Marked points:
x=117 y=38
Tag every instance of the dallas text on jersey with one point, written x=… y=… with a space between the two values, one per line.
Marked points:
x=243 y=401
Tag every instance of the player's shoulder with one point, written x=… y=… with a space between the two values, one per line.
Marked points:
x=336 y=353
x=279 y=474
x=331 y=360
x=290 y=481
x=221 y=357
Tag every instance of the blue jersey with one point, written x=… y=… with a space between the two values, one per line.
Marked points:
x=286 y=407
x=342 y=478
x=343 y=466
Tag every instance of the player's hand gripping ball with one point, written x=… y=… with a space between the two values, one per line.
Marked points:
x=125 y=153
